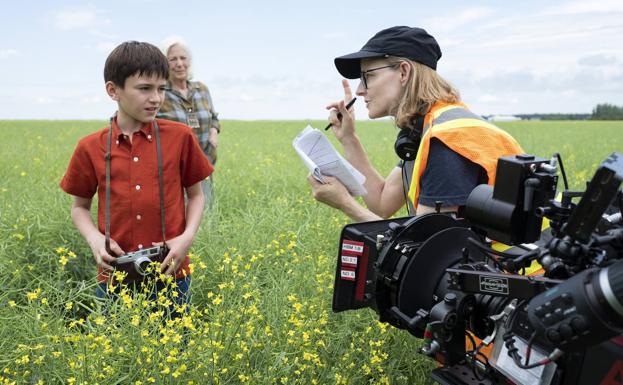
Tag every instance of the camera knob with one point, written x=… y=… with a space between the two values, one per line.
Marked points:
x=553 y=336
x=450 y=299
x=565 y=331
x=578 y=324
x=567 y=299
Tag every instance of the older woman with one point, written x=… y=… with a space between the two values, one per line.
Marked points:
x=446 y=150
x=190 y=102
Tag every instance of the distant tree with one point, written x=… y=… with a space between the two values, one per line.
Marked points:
x=607 y=111
x=554 y=116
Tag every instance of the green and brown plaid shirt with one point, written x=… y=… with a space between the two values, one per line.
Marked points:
x=177 y=108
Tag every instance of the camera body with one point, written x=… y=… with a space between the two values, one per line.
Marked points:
x=136 y=263
x=547 y=313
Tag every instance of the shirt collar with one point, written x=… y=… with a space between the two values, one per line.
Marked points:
x=192 y=86
x=146 y=130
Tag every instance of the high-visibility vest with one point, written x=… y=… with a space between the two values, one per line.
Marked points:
x=465 y=133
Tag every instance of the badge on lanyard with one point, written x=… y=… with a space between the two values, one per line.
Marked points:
x=193 y=120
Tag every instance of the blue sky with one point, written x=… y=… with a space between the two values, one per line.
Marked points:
x=274 y=59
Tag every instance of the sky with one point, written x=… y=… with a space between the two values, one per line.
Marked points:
x=274 y=59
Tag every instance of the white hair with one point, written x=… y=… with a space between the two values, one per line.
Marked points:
x=170 y=42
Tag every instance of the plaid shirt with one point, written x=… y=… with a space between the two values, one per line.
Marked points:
x=176 y=107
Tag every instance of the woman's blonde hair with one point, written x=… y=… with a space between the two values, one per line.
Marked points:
x=425 y=87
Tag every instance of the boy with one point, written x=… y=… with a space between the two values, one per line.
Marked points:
x=135 y=74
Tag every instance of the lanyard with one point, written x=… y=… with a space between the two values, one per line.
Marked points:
x=108 y=160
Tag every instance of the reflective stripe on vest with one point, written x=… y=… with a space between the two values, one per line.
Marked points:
x=447 y=123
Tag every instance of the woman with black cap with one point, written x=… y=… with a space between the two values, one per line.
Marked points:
x=445 y=149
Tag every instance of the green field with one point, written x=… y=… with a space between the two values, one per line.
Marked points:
x=263 y=260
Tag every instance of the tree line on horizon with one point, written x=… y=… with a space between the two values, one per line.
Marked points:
x=604 y=111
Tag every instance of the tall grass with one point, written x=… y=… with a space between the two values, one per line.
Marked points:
x=263 y=260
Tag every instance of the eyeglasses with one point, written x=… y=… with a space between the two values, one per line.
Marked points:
x=363 y=74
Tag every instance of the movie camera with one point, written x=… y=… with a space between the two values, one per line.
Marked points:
x=495 y=298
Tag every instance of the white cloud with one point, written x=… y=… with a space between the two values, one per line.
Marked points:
x=91 y=99
x=472 y=14
x=334 y=35
x=597 y=60
x=585 y=7
x=45 y=100
x=488 y=98
x=458 y=20
x=75 y=19
x=7 y=52
x=105 y=47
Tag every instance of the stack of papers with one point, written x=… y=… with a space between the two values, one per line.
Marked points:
x=322 y=159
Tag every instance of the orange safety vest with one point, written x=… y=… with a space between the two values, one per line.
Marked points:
x=465 y=133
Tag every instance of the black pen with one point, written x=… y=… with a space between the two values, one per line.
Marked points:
x=339 y=114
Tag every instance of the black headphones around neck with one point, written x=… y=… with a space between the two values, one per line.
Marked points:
x=408 y=140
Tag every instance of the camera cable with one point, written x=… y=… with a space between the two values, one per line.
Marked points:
x=405 y=186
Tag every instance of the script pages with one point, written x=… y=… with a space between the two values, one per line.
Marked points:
x=322 y=159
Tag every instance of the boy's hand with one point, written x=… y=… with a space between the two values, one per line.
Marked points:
x=178 y=248
x=98 y=246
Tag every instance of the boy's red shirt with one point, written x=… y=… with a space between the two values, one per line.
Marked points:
x=134 y=191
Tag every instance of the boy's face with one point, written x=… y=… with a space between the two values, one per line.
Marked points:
x=140 y=98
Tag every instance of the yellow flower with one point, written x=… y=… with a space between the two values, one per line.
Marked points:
x=12 y=303
x=24 y=360
x=32 y=295
x=63 y=260
x=69 y=305
x=100 y=320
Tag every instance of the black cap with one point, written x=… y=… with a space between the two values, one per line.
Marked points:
x=413 y=43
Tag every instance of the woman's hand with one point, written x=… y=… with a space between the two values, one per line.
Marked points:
x=343 y=129
x=213 y=136
x=332 y=192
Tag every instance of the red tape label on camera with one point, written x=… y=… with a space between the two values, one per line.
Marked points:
x=352 y=247
x=349 y=261
x=348 y=275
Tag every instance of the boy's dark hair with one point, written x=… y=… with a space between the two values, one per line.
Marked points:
x=133 y=57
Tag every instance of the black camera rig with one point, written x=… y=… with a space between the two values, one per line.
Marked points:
x=496 y=298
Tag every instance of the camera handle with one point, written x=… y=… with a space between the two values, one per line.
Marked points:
x=411 y=323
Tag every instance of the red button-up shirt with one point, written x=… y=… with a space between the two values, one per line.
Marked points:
x=134 y=190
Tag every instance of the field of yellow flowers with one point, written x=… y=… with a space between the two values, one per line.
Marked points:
x=263 y=269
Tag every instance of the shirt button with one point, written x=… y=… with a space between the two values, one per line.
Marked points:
x=138 y=217
x=136 y=158
x=117 y=141
x=140 y=246
x=149 y=137
x=138 y=187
